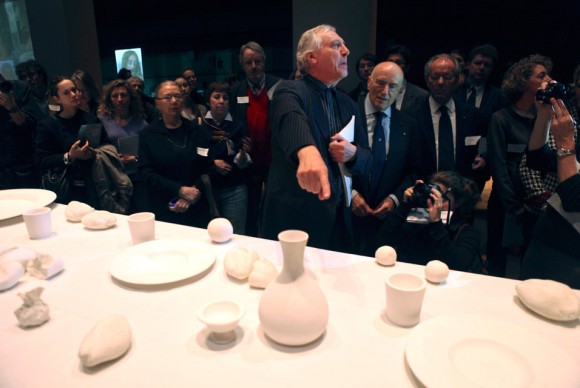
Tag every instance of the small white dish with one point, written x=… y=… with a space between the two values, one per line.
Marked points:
x=221 y=318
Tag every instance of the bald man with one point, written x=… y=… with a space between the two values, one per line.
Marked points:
x=377 y=194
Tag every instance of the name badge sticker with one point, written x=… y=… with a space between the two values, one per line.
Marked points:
x=244 y=100
x=202 y=151
x=471 y=140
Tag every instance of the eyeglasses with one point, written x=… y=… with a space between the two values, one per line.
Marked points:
x=169 y=97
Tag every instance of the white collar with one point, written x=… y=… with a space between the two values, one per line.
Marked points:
x=209 y=116
x=434 y=105
x=372 y=110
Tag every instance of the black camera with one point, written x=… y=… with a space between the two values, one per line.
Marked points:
x=6 y=87
x=422 y=192
x=556 y=90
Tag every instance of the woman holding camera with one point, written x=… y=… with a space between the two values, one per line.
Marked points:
x=509 y=225
x=553 y=252
x=456 y=244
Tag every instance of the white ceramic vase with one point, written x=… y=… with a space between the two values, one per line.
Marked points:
x=293 y=310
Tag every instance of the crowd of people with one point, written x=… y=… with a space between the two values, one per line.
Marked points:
x=388 y=163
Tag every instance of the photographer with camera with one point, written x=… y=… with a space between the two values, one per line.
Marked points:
x=456 y=242
x=509 y=224
x=553 y=252
x=18 y=116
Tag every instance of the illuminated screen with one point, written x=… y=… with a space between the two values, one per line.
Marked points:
x=130 y=59
x=15 y=42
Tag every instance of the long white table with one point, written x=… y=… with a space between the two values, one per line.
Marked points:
x=171 y=347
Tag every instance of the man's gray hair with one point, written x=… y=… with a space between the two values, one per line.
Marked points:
x=254 y=46
x=310 y=41
x=457 y=71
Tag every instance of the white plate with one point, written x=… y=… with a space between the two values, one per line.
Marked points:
x=162 y=262
x=15 y=202
x=466 y=350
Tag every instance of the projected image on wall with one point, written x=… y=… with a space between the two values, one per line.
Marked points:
x=15 y=42
x=130 y=59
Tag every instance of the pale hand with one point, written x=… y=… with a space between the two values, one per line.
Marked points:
x=189 y=194
x=341 y=150
x=312 y=173
x=386 y=206
x=222 y=167
x=78 y=151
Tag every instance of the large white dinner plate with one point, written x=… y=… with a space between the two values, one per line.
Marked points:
x=162 y=262
x=465 y=350
x=15 y=202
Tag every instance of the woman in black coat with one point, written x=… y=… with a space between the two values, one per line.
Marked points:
x=58 y=145
x=174 y=162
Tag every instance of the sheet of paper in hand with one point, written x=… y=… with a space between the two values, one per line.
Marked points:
x=92 y=133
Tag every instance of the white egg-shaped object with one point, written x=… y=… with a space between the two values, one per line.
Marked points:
x=220 y=230
x=386 y=255
x=436 y=271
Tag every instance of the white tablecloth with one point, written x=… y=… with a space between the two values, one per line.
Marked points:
x=171 y=347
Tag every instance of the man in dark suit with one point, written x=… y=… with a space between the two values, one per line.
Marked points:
x=477 y=91
x=410 y=94
x=305 y=187
x=450 y=130
x=376 y=195
x=249 y=102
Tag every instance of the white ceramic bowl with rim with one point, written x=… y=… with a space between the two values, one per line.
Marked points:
x=221 y=317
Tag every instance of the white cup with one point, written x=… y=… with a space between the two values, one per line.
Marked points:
x=405 y=293
x=142 y=227
x=38 y=222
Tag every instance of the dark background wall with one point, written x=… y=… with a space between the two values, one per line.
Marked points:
x=167 y=28
x=517 y=28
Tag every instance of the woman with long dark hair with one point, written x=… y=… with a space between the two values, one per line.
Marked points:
x=90 y=94
x=58 y=145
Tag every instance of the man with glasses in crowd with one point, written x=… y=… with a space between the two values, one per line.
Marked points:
x=391 y=135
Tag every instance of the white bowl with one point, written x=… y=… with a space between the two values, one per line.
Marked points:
x=221 y=318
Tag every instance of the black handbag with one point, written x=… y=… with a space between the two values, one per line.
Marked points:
x=58 y=181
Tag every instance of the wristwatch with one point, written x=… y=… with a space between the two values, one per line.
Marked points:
x=564 y=152
x=66 y=160
x=14 y=109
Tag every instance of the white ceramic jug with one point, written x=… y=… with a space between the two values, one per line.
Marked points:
x=293 y=310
